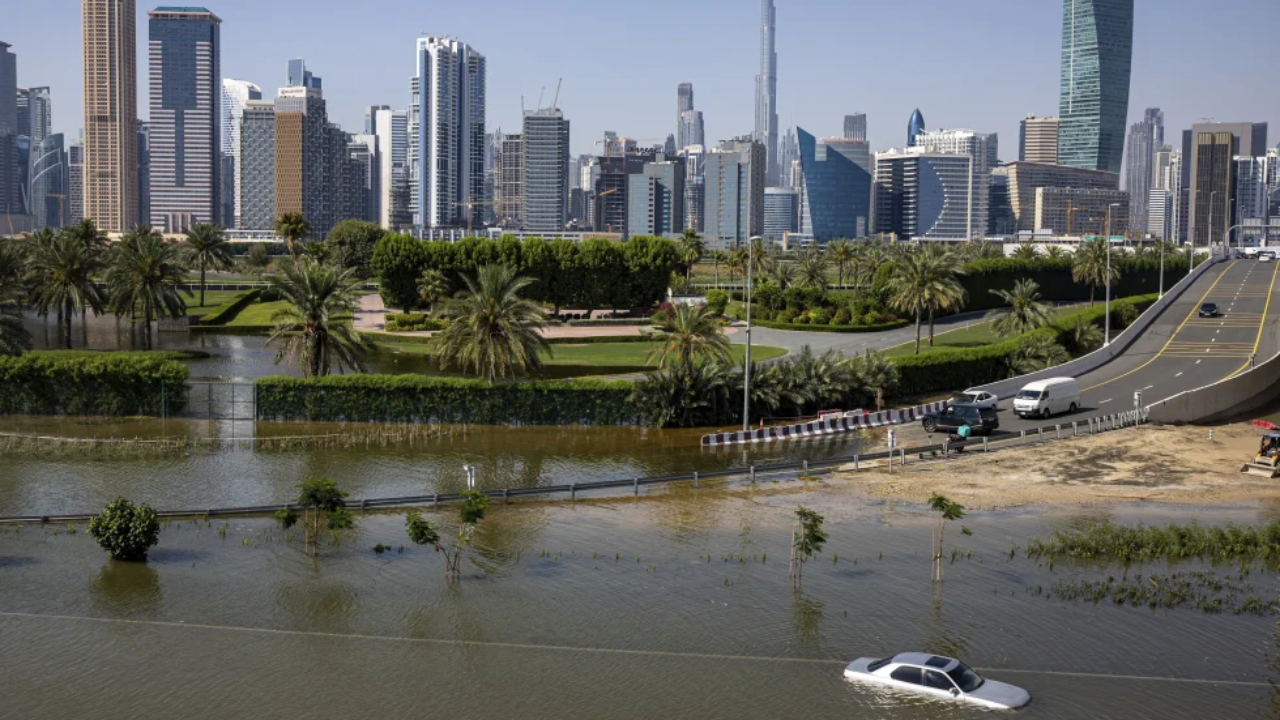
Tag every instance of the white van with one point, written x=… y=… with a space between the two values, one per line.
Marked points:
x=1047 y=397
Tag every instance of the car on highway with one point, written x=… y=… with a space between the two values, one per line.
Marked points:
x=1044 y=398
x=1209 y=310
x=981 y=398
x=1266 y=257
x=981 y=420
x=938 y=677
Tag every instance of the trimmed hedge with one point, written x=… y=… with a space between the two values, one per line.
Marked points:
x=89 y=383
x=879 y=327
x=952 y=369
x=224 y=312
x=602 y=339
x=420 y=398
x=413 y=322
x=1138 y=277
x=609 y=322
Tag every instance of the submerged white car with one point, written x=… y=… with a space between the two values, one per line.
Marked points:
x=939 y=677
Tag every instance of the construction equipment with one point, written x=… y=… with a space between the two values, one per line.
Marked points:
x=1267 y=462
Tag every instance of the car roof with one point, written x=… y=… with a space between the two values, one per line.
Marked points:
x=936 y=662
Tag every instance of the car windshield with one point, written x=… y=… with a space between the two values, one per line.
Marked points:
x=965 y=679
x=1208 y=306
x=1029 y=395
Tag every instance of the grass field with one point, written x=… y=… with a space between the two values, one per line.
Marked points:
x=258 y=314
x=974 y=335
x=212 y=300
x=613 y=357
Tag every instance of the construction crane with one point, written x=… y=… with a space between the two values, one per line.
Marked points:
x=622 y=143
x=470 y=205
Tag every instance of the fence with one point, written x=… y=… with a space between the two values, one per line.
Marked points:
x=215 y=400
x=890 y=457
x=850 y=422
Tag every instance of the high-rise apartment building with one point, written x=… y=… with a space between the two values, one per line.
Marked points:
x=446 y=133
x=1145 y=138
x=391 y=127
x=734 y=193
x=695 y=188
x=781 y=213
x=235 y=95
x=256 y=195
x=363 y=151
x=766 y=132
x=1038 y=140
x=855 y=127
x=35 y=113
x=144 y=171
x=109 y=33
x=75 y=182
x=1208 y=176
x=655 y=199
x=508 y=176
x=1025 y=178
x=546 y=170
x=186 y=118
x=915 y=126
x=984 y=149
x=923 y=195
x=1093 y=106
x=10 y=183
x=836 y=198
x=303 y=181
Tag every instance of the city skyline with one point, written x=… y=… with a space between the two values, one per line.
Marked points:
x=254 y=50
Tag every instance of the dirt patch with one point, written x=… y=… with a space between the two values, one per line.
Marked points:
x=1152 y=463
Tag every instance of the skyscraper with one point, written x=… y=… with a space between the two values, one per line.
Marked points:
x=766 y=132
x=691 y=129
x=75 y=182
x=923 y=195
x=303 y=182
x=508 y=178
x=35 y=113
x=10 y=194
x=546 y=170
x=855 y=127
x=1097 y=57
x=733 y=204
x=655 y=199
x=257 y=189
x=781 y=215
x=915 y=126
x=391 y=127
x=1145 y=138
x=1038 y=140
x=144 y=171
x=49 y=182
x=837 y=187
x=984 y=149
x=446 y=133
x=186 y=118
x=109 y=32
x=235 y=94
x=1208 y=176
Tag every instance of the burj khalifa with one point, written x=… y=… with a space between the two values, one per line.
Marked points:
x=767 y=94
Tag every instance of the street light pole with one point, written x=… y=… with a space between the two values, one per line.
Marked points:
x=1107 y=239
x=1162 y=244
x=746 y=362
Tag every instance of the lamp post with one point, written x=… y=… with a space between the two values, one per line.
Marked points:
x=746 y=362
x=1107 y=239
x=1162 y=244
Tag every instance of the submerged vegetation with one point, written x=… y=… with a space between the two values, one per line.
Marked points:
x=1143 y=543
x=1202 y=589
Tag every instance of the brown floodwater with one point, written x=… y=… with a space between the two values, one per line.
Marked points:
x=674 y=605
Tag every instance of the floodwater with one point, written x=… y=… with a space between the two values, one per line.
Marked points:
x=670 y=606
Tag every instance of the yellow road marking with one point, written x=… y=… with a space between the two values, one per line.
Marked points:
x=1262 y=324
x=1195 y=309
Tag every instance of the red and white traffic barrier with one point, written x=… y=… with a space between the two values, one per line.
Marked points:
x=829 y=425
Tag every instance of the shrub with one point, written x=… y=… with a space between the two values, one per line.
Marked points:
x=91 y=383
x=126 y=532
x=398 y=261
x=414 y=322
x=766 y=295
x=842 y=317
x=1122 y=315
x=820 y=316
x=419 y=398
x=717 y=301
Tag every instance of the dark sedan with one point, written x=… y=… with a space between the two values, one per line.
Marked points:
x=1209 y=310
x=981 y=421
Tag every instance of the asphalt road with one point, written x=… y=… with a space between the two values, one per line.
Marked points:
x=1182 y=351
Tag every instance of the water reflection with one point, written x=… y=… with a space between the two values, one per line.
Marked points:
x=127 y=589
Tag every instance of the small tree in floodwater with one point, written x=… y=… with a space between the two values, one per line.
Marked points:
x=807 y=539
x=422 y=532
x=321 y=501
x=126 y=532
x=947 y=510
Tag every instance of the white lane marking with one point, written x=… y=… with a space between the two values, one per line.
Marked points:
x=1104 y=402
x=1147 y=388
x=1200 y=361
x=1178 y=375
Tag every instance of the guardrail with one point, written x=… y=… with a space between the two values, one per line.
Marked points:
x=826 y=426
x=893 y=456
x=1102 y=356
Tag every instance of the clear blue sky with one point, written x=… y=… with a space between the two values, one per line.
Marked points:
x=979 y=64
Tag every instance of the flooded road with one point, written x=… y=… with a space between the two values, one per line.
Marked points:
x=676 y=605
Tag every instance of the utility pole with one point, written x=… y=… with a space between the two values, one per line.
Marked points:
x=746 y=363
x=1107 y=239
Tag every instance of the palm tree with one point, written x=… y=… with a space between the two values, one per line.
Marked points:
x=691 y=251
x=62 y=275
x=207 y=245
x=315 y=328
x=1083 y=337
x=762 y=259
x=692 y=333
x=737 y=264
x=293 y=227
x=14 y=338
x=88 y=234
x=784 y=274
x=492 y=330
x=1022 y=309
x=1036 y=352
x=925 y=281
x=718 y=258
x=688 y=395
x=1026 y=251
x=812 y=267
x=432 y=285
x=945 y=290
x=876 y=374
x=1089 y=266
x=146 y=277
x=1055 y=252
x=841 y=253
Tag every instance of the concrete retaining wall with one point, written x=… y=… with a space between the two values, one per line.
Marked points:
x=1098 y=358
x=1225 y=400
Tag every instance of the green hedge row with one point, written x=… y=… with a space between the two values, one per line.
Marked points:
x=413 y=322
x=1137 y=277
x=87 y=383
x=879 y=327
x=959 y=368
x=601 y=340
x=224 y=312
x=419 y=398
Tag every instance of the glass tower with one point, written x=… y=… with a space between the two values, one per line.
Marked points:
x=915 y=126
x=1097 y=56
x=837 y=183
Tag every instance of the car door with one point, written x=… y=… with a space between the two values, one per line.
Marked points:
x=939 y=685
x=908 y=678
x=947 y=420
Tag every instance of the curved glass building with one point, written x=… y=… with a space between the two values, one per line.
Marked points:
x=914 y=127
x=1097 y=57
x=49 y=201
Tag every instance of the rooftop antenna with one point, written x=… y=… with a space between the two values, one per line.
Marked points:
x=556 y=103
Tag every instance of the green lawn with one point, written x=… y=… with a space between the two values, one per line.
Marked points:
x=975 y=335
x=257 y=314
x=620 y=357
x=212 y=300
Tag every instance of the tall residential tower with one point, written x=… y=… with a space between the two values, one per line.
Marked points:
x=446 y=133
x=109 y=32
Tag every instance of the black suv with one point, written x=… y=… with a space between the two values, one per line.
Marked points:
x=1209 y=310
x=981 y=421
